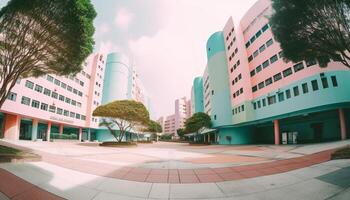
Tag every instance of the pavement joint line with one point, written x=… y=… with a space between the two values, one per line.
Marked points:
x=149 y=192
x=221 y=190
x=337 y=193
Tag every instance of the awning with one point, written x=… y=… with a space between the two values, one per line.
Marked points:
x=202 y=131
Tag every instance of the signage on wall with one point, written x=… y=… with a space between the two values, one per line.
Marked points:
x=61 y=120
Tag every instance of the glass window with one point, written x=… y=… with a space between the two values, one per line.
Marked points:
x=66 y=113
x=281 y=97
x=311 y=62
x=269 y=42
x=324 y=82
x=54 y=95
x=35 y=103
x=52 y=109
x=334 y=81
x=79 y=104
x=314 y=85
x=261 y=85
x=254 y=105
x=241 y=90
x=12 y=96
x=258 y=69
x=250 y=58
x=298 y=67
x=264 y=28
x=271 y=100
x=43 y=106
x=75 y=91
x=305 y=88
x=273 y=59
x=38 y=88
x=63 y=85
x=81 y=83
x=80 y=93
x=288 y=94
x=239 y=76
x=49 y=78
x=61 y=98
x=68 y=100
x=247 y=44
x=266 y=64
x=29 y=84
x=277 y=77
x=47 y=92
x=69 y=88
x=252 y=73
x=72 y=114
x=254 y=89
x=268 y=81
x=258 y=34
x=287 y=72
x=77 y=116
x=259 y=104
x=238 y=62
x=83 y=117
x=59 y=111
x=256 y=53
x=74 y=103
x=25 y=100
x=280 y=54
x=262 y=48
x=57 y=82
x=264 y=102
x=296 y=91
x=252 y=39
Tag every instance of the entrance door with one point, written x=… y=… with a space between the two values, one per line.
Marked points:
x=318 y=131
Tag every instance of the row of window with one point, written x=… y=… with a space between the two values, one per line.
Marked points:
x=260 y=50
x=235 y=65
x=265 y=64
x=64 y=85
x=231 y=44
x=257 y=35
x=230 y=33
x=237 y=93
x=239 y=77
x=47 y=92
x=51 y=108
x=281 y=96
x=238 y=110
x=285 y=73
x=233 y=54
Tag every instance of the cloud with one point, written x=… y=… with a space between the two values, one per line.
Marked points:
x=107 y=47
x=102 y=30
x=123 y=18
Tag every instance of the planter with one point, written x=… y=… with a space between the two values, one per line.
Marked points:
x=118 y=144
x=145 y=142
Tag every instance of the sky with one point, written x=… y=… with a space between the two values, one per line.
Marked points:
x=165 y=38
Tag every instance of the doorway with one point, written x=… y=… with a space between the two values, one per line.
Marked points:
x=318 y=131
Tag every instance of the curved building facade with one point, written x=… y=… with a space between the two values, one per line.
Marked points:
x=197 y=99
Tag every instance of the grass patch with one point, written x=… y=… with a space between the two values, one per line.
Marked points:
x=343 y=153
x=9 y=151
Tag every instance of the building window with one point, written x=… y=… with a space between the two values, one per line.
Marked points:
x=264 y=102
x=262 y=48
x=287 y=72
x=74 y=103
x=255 y=88
x=311 y=62
x=49 y=78
x=250 y=58
x=25 y=100
x=252 y=73
x=334 y=81
x=61 y=98
x=69 y=88
x=35 y=104
x=29 y=84
x=288 y=94
x=269 y=42
x=256 y=53
x=314 y=85
x=259 y=104
x=305 y=88
x=212 y=92
x=66 y=113
x=280 y=97
x=77 y=116
x=258 y=69
x=265 y=64
x=59 y=111
x=12 y=96
x=296 y=91
x=242 y=108
x=254 y=105
x=81 y=83
x=252 y=39
x=277 y=77
x=241 y=90
x=79 y=104
x=63 y=85
x=72 y=114
x=54 y=95
x=247 y=44
x=214 y=117
x=273 y=59
x=268 y=81
x=52 y=109
x=68 y=100
x=43 y=106
x=324 y=82
x=271 y=100
x=83 y=117
x=57 y=82
x=38 y=88
x=261 y=85
x=264 y=28
x=75 y=91
x=47 y=92
x=298 y=67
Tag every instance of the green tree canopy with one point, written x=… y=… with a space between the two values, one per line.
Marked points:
x=181 y=132
x=43 y=37
x=153 y=127
x=313 y=30
x=196 y=122
x=126 y=114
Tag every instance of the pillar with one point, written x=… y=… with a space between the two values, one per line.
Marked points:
x=342 y=124
x=12 y=126
x=208 y=137
x=35 y=123
x=61 y=126
x=89 y=134
x=80 y=134
x=48 y=136
x=277 y=132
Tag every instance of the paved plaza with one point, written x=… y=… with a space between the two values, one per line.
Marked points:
x=176 y=171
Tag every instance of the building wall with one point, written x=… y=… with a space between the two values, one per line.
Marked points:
x=197 y=99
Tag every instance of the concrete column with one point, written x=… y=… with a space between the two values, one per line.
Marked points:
x=61 y=126
x=35 y=129
x=12 y=127
x=48 y=136
x=342 y=124
x=80 y=134
x=89 y=134
x=208 y=137
x=277 y=132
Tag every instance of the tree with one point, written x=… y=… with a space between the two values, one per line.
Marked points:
x=40 y=37
x=153 y=127
x=196 y=122
x=181 y=132
x=313 y=30
x=125 y=114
